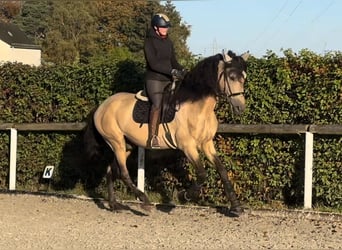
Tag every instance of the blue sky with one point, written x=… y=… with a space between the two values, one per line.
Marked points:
x=261 y=25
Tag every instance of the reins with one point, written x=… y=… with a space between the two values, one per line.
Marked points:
x=167 y=102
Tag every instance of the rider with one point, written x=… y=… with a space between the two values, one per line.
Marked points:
x=162 y=67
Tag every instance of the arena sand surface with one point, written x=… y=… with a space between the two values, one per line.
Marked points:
x=51 y=222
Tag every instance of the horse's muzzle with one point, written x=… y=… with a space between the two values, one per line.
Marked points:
x=238 y=103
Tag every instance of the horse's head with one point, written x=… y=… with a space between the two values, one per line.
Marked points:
x=232 y=76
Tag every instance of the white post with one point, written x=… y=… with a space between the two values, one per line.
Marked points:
x=308 y=170
x=141 y=169
x=13 y=158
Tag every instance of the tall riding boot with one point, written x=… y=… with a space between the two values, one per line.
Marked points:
x=153 y=127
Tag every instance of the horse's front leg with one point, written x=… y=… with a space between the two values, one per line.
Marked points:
x=211 y=154
x=193 y=193
x=235 y=208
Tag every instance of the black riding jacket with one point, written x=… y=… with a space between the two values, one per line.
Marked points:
x=160 y=57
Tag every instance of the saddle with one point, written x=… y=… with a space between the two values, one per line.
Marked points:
x=141 y=110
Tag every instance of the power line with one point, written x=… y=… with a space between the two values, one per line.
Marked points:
x=271 y=22
x=286 y=20
x=323 y=11
x=294 y=10
x=309 y=26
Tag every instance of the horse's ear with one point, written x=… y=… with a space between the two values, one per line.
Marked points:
x=226 y=57
x=245 y=56
x=231 y=54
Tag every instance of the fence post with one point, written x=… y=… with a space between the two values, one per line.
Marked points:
x=308 y=170
x=13 y=158
x=141 y=169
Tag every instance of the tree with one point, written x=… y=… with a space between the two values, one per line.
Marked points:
x=65 y=28
x=33 y=19
x=72 y=22
x=9 y=9
x=124 y=23
x=180 y=31
x=73 y=31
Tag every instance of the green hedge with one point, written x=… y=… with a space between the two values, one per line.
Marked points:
x=303 y=88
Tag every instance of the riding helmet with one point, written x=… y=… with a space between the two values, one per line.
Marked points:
x=160 y=20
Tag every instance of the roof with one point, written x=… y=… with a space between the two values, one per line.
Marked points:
x=12 y=35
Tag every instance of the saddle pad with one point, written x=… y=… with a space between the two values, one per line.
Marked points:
x=141 y=113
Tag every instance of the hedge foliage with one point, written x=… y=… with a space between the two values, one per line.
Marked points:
x=303 y=88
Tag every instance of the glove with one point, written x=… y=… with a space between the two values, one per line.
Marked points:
x=178 y=74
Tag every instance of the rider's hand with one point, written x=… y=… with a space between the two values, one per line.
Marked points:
x=178 y=74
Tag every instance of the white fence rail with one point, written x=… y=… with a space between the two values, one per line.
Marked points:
x=308 y=130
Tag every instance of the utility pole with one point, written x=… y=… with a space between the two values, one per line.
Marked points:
x=214 y=46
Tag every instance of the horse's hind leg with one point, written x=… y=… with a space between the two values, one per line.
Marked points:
x=210 y=152
x=121 y=157
x=111 y=175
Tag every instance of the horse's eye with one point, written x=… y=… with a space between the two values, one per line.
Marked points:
x=233 y=76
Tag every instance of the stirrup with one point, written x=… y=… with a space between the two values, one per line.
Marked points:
x=155 y=142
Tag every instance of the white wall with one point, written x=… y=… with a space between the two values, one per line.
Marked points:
x=25 y=56
x=5 y=51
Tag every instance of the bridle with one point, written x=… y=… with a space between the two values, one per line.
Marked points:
x=226 y=85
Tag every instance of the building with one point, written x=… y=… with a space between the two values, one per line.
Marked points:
x=15 y=46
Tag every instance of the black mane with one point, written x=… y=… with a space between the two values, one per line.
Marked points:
x=201 y=81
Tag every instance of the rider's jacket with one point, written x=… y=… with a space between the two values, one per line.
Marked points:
x=160 y=57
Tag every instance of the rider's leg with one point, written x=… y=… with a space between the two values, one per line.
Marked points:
x=155 y=90
x=154 y=127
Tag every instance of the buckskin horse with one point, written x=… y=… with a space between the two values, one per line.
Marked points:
x=191 y=129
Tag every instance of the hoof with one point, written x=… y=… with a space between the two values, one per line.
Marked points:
x=147 y=206
x=117 y=207
x=235 y=211
x=183 y=197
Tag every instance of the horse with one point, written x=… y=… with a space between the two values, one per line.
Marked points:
x=191 y=129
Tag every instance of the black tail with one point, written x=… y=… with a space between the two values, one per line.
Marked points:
x=93 y=142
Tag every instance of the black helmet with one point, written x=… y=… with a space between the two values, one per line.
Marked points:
x=160 y=20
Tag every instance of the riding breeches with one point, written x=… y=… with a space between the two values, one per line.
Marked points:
x=155 y=89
